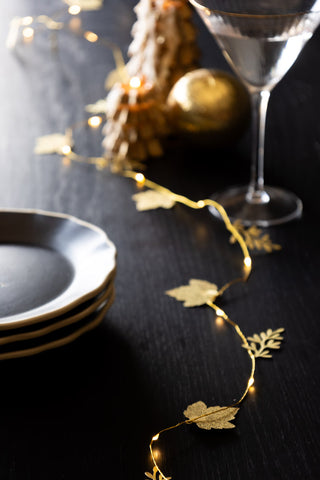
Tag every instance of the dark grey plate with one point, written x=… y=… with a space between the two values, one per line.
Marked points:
x=56 y=338
x=49 y=263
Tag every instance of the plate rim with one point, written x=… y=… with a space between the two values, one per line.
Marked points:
x=9 y=320
x=56 y=343
x=107 y=297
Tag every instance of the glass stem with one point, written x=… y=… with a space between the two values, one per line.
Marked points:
x=256 y=193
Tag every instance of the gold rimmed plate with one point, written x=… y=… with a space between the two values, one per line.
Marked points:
x=49 y=264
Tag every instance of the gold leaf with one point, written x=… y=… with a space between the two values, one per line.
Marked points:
x=86 y=4
x=156 y=472
x=197 y=293
x=261 y=343
x=52 y=143
x=119 y=75
x=150 y=200
x=212 y=417
x=98 y=107
x=254 y=238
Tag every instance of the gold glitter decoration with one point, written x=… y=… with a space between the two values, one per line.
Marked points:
x=260 y=344
x=149 y=200
x=197 y=293
x=255 y=238
x=203 y=417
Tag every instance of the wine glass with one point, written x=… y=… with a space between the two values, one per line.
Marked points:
x=260 y=39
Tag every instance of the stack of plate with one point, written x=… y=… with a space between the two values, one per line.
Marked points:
x=56 y=280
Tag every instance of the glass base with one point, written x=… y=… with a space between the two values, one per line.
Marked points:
x=273 y=206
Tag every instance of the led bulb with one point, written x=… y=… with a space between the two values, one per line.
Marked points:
x=95 y=121
x=66 y=149
x=140 y=178
x=28 y=33
x=247 y=261
x=135 y=82
x=74 y=9
x=91 y=37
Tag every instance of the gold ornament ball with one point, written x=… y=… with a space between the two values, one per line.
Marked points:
x=212 y=103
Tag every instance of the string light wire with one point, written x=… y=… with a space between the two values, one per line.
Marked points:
x=101 y=162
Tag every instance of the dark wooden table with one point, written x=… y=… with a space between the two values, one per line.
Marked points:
x=88 y=410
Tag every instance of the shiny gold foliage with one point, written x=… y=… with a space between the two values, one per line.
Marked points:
x=259 y=345
x=255 y=238
x=156 y=475
x=86 y=4
x=52 y=143
x=211 y=417
x=197 y=293
x=150 y=200
x=100 y=106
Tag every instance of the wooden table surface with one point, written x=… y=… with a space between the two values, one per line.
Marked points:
x=88 y=410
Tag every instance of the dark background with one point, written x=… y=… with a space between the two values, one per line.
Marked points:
x=89 y=410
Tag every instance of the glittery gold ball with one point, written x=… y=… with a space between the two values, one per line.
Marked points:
x=210 y=102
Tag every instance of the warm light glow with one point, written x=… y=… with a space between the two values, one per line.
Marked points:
x=28 y=33
x=27 y=21
x=219 y=312
x=94 y=121
x=201 y=204
x=247 y=262
x=252 y=389
x=91 y=36
x=135 y=82
x=75 y=24
x=74 y=9
x=251 y=382
x=156 y=454
x=66 y=149
x=155 y=438
x=219 y=321
x=140 y=178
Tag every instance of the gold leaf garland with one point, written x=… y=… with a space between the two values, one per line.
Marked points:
x=198 y=292
x=53 y=143
x=211 y=417
x=149 y=200
x=255 y=238
x=156 y=475
x=86 y=4
x=259 y=344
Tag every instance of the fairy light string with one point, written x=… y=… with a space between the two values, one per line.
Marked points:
x=250 y=382
x=29 y=25
x=68 y=155
x=142 y=181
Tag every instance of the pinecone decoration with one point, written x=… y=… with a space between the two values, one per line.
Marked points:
x=135 y=121
x=164 y=43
